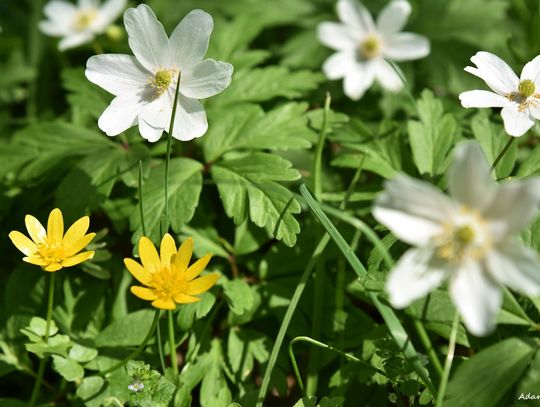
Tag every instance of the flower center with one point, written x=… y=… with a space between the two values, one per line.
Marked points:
x=370 y=47
x=464 y=237
x=526 y=88
x=162 y=80
x=84 y=18
x=525 y=95
x=168 y=282
x=51 y=252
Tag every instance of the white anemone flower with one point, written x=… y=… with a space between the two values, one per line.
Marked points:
x=145 y=84
x=362 y=46
x=467 y=238
x=518 y=97
x=79 y=24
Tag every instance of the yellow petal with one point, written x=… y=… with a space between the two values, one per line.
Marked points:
x=201 y=284
x=78 y=245
x=52 y=267
x=184 y=254
x=37 y=260
x=55 y=225
x=164 y=304
x=35 y=229
x=167 y=249
x=148 y=254
x=78 y=258
x=138 y=271
x=22 y=243
x=197 y=268
x=144 y=293
x=76 y=231
x=185 y=299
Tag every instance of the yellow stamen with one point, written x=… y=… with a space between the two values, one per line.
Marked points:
x=84 y=19
x=162 y=80
x=370 y=47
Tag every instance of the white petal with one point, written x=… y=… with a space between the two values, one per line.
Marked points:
x=53 y=28
x=406 y=47
x=336 y=36
x=157 y=114
x=469 y=179
x=514 y=205
x=108 y=12
x=117 y=73
x=149 y=132
x=190 y=121
x=358 y=79
x=147 y=38
x=482 y=98
x=417 y=272
x=388 y=77
x=477 y=297
x=121 y=114
x=355 y=16
x=74 y=40
x=207 y=78
x=515 y=266
x=393 y=17
x=338 y=64
x=534 y=109
x=495 y=72
x=531 y=71
x=60 y=11
x=516 y=123
x=413 y=210
x=189 y=40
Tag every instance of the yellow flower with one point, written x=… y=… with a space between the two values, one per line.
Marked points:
x=52 y=249
x=168 y=278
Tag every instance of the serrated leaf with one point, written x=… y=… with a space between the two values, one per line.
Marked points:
x=213 y=381
x=188 y=312
x=248 y=187
x=238 y=295
x=262 y=84
x=185 y=184
x=249 y=127
x=432 y=136
x=68 y=368
x=83 y=94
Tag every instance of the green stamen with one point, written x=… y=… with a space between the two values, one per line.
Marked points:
x=526 y=88
x=370 y=48
x=464 y=234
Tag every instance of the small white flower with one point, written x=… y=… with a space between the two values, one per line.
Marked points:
x=363 y=45
x=136 y=386
x=145 y=84
x=467 y=238
x=518 y=97
x=79 y=24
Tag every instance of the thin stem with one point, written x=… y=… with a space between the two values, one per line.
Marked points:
x=141 y=208
x=43 y=361
x=317 y=163
x=137 y=351
x=172 y=343
x=399 y=73
x=160 y=349
x=448 y=362
x=168 y=156
x=35 y=50
x=98 y=49
x=502 y=153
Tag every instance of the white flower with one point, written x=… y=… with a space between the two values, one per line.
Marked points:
x=518 y=97
x=467 y=238
x=81 y=23
x=145 y=84
x=362 y=46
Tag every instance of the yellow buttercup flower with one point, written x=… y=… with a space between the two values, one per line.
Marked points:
x=52 y=249
x=167 y=276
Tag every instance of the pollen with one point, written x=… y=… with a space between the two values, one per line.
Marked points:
x=84 y=19
x=370 y=47
x=162 y=80
x=526 y=88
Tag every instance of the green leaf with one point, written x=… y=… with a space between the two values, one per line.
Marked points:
x=531 y=164
x=505 y=361
x=238 y=295
x=130 y=330
x=262 y=84
x=213 y=381
x=82 y=353
x=208 y=241
x=432 y=136
x=248 y=187
x=249 y=127
x=185 y=184
x=83 y=94
x=68 y=368
x=89 y=387
x=36 y=330
x=188 y=312
x=307 y=401
x=58 y=344
x=493 y=139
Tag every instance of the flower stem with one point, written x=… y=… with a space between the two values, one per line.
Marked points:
x=137 y=351
x=502 y=153
x=172 y=344
x=160 y=349
x=42 y=361
x=448 y=362
x=141 y=208
x=317 y=163
x=168 y=156
x=98 y=49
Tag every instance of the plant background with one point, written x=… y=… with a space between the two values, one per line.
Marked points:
x=235 y=191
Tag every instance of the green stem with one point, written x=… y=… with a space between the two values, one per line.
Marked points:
x=168 y=156
x=141 y=208
x=172 y=343
x=317 y=163
x=398 y=71
x=137 y=351
x=98 y=49
x=34 y=55
x=160 y=349
x=502 y=153
x=448 y=362
x=43 y=361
